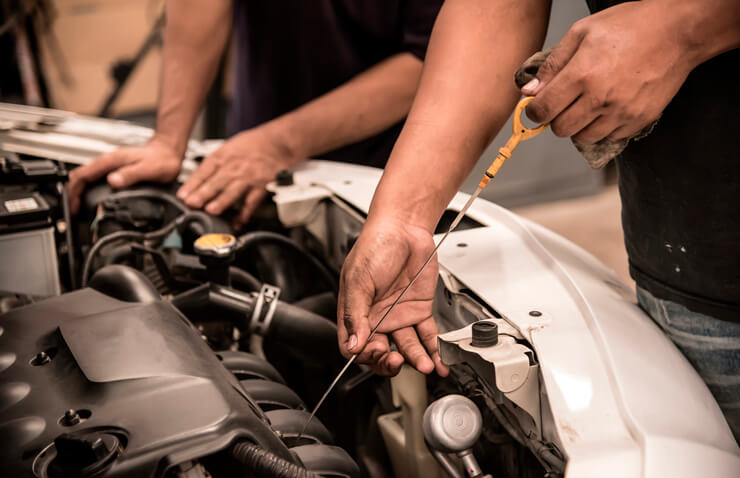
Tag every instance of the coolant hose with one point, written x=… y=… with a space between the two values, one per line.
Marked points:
x=257 y=237
x=265 y=463
x=305 y=332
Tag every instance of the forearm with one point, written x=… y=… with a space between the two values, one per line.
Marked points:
x=195 y=36
x=366 y=105
x=465 y=96
x=705 y=29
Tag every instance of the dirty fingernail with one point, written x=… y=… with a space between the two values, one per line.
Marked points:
x=352 y=343
x=532 y=85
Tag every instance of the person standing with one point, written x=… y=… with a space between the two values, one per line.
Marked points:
x=611 y=75
x=329 y=78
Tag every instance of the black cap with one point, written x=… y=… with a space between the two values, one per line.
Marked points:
x=485 y=334
x=284 y=178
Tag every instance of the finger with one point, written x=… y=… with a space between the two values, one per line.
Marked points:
x=252 y=201
x=230 y=194
x=556 y=97
x=208 y=189
x=83 y=175
x=75 y=186
x=201 y=174
x=134 y=173
x=374 y=352
x=427 y=331
x=389 y=364
x=577 y=116
x=380 y=357
x=353 y=323
x=556 y=61
x=412 y=350
x=597 y=130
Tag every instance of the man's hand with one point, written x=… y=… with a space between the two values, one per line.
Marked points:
x=379 y=267
x=154 y=161
x=612 y=74
x=237 y=172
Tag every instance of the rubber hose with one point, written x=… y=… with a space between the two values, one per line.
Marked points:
x=124 y=283
x=130 y=235
x=252 y=238
x=151 y=193
x=305 y=332
x=323 y=304
x=265 y=463
x=244 y=279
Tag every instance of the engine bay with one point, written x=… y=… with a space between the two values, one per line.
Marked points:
x=142 y=338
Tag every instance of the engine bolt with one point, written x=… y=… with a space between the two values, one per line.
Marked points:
x=70 y=418
x=41 y=358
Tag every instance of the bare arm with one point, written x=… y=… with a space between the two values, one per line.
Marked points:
x=194 y=40
x=362 y=107
x=366 y=105
x=195 y=36
x=465 y=96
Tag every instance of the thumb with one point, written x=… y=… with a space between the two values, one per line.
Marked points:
x=354 y=322
x=555 y=61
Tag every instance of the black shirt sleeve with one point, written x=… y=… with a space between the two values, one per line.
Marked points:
x=418 y=21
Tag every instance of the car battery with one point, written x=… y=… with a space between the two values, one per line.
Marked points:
x=28 y=253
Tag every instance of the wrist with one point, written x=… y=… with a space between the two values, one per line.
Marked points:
x=176 y=145
x=701 y=30
x=287 y=138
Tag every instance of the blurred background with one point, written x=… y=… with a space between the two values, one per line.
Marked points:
x=101 y=58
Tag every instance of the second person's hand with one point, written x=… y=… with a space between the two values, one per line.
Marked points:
x=155 y=161
x=237 y=172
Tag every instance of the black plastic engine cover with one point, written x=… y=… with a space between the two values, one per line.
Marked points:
x=137 y=371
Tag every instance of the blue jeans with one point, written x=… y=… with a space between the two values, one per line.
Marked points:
x=711 y=345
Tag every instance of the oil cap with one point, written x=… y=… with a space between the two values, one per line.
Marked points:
x=485 y=334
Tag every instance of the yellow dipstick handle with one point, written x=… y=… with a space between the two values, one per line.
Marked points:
x=519 y=134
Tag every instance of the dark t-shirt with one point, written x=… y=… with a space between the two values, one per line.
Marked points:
x=680 y=190
x=288 y=52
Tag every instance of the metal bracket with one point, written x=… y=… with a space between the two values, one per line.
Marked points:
x=510 y=359
x=508 y=366
x=264 y=309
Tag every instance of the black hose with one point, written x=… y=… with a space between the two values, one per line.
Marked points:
x=244 y=280
x=124 y=283
x=130 y=235
x=323 y=304
x=151 y=193
x=68 y=237
x=252 y=238
x=265 y=463
x=306 y=333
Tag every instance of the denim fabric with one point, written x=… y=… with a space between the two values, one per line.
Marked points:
x=711 y=345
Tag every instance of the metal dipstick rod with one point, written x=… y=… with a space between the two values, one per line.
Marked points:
x=519 y=134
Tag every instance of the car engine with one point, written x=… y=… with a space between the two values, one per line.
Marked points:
x=141 y=338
